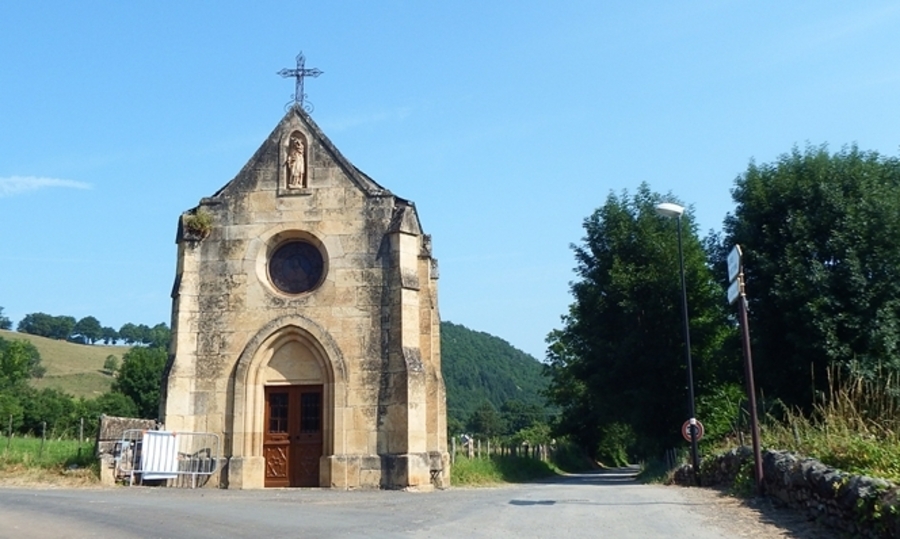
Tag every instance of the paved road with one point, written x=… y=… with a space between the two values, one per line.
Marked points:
x=585 y=506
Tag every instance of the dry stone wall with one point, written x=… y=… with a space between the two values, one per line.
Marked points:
x=858 y=505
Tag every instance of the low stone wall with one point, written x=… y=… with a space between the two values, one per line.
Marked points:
x=859 y=505
x=109 y=433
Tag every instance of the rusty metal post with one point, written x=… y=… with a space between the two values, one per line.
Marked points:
x=751 y=388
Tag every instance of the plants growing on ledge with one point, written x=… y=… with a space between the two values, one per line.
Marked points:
x=197 y=225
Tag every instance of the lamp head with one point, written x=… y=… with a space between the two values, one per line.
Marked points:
x=667 y=209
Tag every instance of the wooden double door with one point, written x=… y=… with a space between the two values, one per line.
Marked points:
x=292 y=442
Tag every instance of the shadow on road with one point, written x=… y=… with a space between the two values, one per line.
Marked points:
x=608 y=476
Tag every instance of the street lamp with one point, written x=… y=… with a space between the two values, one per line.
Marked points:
x=667 y=209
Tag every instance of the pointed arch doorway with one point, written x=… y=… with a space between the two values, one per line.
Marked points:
x=292 y=441
x=288 y=361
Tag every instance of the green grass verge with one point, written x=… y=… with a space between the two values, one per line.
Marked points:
x=654 y=471
x=499 y=469
x=30 y=452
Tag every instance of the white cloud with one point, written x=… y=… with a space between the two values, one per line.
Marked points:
x=15 y=185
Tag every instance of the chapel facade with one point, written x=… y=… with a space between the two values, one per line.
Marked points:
x=305 y=322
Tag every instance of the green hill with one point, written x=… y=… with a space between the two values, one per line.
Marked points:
x=76 y=369
x=478 y=366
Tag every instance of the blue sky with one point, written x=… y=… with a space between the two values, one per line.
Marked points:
x=507 y=124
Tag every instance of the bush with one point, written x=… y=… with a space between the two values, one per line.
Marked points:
x=140 y=378
x=111 y=364
x=616 y=441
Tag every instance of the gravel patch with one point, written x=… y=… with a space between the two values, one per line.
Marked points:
x=757 y=517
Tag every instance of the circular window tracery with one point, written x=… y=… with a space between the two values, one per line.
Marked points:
x=296 y=267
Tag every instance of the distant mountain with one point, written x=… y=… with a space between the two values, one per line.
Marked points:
x=478 y=366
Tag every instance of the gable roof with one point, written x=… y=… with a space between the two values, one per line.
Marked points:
x=297 y=114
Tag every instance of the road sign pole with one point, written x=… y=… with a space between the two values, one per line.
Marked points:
x=751 y=388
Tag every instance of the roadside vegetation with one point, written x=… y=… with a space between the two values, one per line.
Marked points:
x=855 y=427
x=821 y=265
x=30 y=460
x=562 y=457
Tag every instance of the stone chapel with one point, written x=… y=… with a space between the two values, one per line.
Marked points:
x=305 y=325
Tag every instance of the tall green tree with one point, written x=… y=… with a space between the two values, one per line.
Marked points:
x=140 y=378
x=159 y=336
x=618 y=363
x=129 y=333
x=19 y=360
x=486 y=421
x=517 y=415
x=109 y=335
x=87 y=330
x=821 y=240
x=45 y=325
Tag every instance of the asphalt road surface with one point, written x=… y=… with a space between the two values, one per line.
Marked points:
x=602 y=505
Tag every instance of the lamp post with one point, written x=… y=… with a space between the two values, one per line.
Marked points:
x=667 y=209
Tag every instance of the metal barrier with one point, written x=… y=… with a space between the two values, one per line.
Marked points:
x=178 y=458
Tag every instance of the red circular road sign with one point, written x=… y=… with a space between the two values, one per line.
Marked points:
x=696 y=426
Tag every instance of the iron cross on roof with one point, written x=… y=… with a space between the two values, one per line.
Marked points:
x=299 y=73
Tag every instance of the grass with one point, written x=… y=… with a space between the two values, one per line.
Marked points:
x=82 y=384
x=855 y=428
x=76 y=369
x=23 y=461
x=655 y=471
x=499 y=469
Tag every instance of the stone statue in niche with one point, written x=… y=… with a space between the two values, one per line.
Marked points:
x=296 y=163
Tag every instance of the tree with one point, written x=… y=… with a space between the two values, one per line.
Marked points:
x=142 y=334
x=109 y=335
x=112 y=403
x=45 y=325
x=111 y=364
x=5 y=323
x=88 y=330
x=140 y=378
x=618 y=364
x=517 y=415
x=36 y=324
x=820 y=235
x=128 y=333
x=159 y=336
x=19 y=360
x=485 y=421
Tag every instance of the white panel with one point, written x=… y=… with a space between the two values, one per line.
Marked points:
x=159 y=455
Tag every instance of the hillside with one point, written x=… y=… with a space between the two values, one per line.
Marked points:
x=478 y=366
x=73 y=368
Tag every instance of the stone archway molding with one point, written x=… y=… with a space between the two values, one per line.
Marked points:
x=246 y=466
